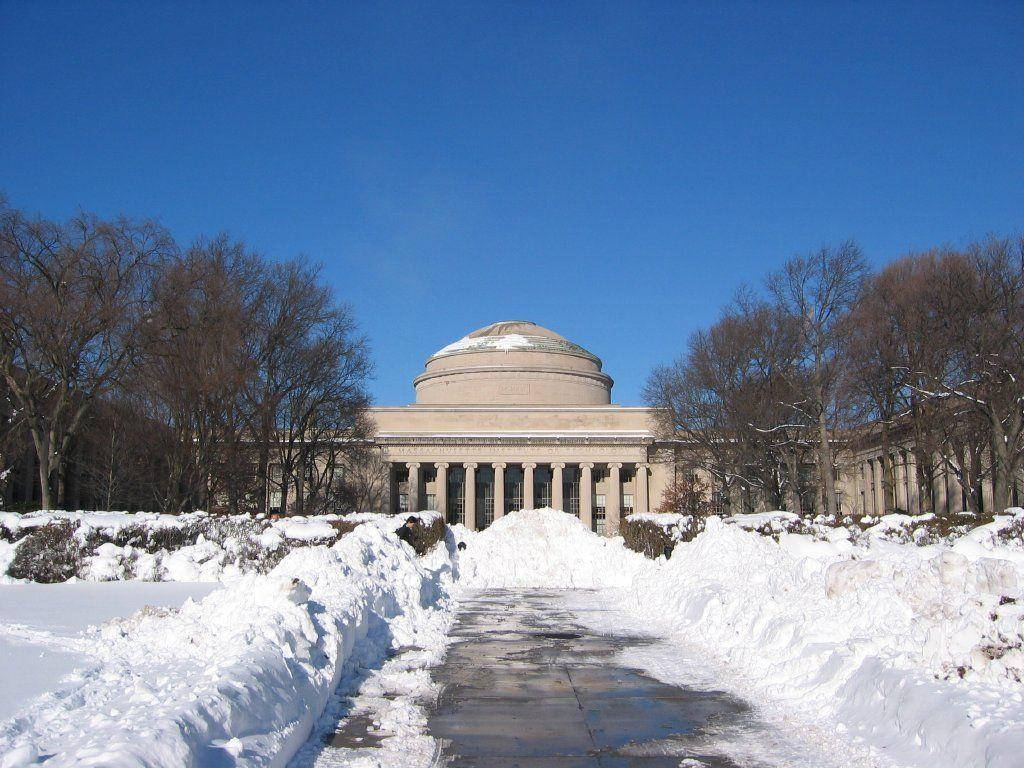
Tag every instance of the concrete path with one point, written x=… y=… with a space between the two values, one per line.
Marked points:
x=525 y=685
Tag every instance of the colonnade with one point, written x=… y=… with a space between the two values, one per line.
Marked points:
x=475 y=493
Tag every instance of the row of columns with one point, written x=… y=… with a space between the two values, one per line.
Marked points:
x=613 y=499
x=947 y=493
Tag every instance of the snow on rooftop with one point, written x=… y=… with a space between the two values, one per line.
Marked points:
x=506 y=343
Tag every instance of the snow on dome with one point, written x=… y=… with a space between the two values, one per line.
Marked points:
x=513 y=362
x=512 y=335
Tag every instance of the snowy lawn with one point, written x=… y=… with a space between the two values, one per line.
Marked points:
x=44 y=629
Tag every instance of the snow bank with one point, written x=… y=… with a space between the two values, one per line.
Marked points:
x=543 y=548
x=915 y=650
x=239 y=678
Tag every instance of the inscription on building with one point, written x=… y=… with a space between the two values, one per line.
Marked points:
x=522 y=452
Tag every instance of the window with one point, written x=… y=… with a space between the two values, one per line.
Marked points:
x=513 y=489
x=571 y=491
x=484 y=497
x=431 y=501
x=627 y=504
x=541 y=487
x=599 y=510
x=456 y=501
x=403 y=503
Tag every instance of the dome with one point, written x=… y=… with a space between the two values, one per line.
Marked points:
x=512 y=335
x=513 y=362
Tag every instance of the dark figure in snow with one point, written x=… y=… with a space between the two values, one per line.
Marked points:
x=462 y=545
x=405 y=533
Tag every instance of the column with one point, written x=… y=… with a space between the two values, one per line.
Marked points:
x=898 y=473
x=528 y=485
x=413 y=486
x=392 y=505
x=879 y=500
x=499 y=490
x=469 y=491
x=587 y=496
x=956 y=493
x=642 y=489
x=441 y=497
x=613 y=501
x=914 y=502
x=557 y=500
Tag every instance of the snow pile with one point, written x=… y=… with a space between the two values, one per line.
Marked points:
x=543 y=548
x=915 y=649
x=240 y=677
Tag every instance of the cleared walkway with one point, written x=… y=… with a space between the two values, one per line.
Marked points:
x=525 y=685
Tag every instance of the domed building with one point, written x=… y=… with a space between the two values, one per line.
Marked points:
x=515 y=416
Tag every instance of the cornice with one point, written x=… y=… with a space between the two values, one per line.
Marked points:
x=634 y=440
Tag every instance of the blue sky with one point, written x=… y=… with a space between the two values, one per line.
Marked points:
x=612 y=171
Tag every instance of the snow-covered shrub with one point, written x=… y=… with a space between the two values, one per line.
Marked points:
x=654 y=535
x=425 y=537
x=9 y=534
x=778 y=522
x=105 y=546
x=49 y=553
x=922 y=530
x=1012 y=531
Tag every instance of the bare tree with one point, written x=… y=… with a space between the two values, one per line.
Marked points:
x=731 y=396
x=367 y=475
x=986 y=326
x=817 y=291
x=308 y=393
x=72 y=299
x=874 y=371
x=200 y=358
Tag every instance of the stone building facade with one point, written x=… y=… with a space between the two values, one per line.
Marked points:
x=514 y=416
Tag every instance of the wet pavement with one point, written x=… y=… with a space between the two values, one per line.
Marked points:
x=524 y=684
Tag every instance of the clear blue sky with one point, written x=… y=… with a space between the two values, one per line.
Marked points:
x=611 y=171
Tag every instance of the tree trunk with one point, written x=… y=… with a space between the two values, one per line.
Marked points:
x=828 y=483
x=793 y=491
x=42 y=447
x=264 y=460
x=300 y=486
x=45 y=496
x=925 y=491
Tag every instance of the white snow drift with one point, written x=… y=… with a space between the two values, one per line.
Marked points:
x=912 y=652
x=240 y=677
x=915 y=651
